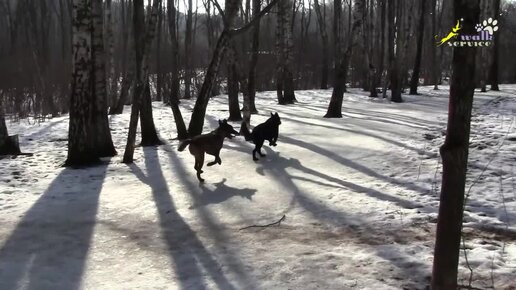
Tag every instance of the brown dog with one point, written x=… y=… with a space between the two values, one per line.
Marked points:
x=209 y=143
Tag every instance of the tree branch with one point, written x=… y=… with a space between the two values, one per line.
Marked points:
x=265 y=226
x=254 y=20
x=221 y=11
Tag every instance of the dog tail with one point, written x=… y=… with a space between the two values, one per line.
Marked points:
x=244 y=131
x=183 y=145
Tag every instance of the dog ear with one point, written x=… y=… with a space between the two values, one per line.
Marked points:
x=220 y=122
x=277 y=114
x=272 y=114
x=225 y=121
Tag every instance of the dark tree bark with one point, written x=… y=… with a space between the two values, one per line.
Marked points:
x=197 y=120
x=188 y=52
x=182 y=133
x=142 y=41
x=127 y=63
x=9 y=145
x=104 y=142
x=159 y=68
x=493 y=71
x=394 y=51
x=255 y=46
x=149 y=133
x=234 y=107
x=335 y=106
x=380 y=78
x=112 y=78
x=454 y=154
x=433 y=49
x=284 y=73
x=325 y=47
x=414 y=81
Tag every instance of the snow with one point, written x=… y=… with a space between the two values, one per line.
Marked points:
x=360 y=195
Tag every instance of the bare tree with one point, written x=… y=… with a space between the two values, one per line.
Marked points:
x=335 y=106
x=182 y=133
x=199 y=112
x=321 y=20
x=188 y=51
x=255 y=46
x=454 y=154
x=284 y=73
x=88 y=136
x=433 y=48
x=395 y=24
x=414 y=81
x=143 y=37
x=8 y=144
x=128 y=64
x=493 y=70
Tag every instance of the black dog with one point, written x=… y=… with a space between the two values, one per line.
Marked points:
x=265 y=131
x=209 y=143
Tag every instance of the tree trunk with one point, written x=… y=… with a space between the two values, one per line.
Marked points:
x=284 y=76
x=149 y=134
x=81 y=135
x=380 y=75
x=159 y=69
x=104 y=142
x=454 y=154
x=394 y=51
x=127 y=63
x=142 y=42
x=197 y=120
x=188 y=51
x=335 y=106
x=493 y=71
x=113 y=81
x=433 y=53
x=325 y=48
x=199 y=112
x=182 y=133
x=280 y=59
x=414 y=81
x=288 y=94
x=234 y=107
x=255 y=46
x=9 y=145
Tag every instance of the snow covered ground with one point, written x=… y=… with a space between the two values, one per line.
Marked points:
x=360 y=196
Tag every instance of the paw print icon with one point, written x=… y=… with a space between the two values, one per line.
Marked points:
x=490 y=25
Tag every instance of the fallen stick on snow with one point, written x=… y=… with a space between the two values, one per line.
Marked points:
x=265 y=226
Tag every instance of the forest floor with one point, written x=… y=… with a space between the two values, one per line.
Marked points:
x=360 y=196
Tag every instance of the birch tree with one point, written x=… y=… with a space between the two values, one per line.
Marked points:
x=88 y=136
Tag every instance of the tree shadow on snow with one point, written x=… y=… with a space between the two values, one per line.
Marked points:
x=191 y=258
x=49 y=247
x=352 y=164
x=358 y=229
x=215 y=231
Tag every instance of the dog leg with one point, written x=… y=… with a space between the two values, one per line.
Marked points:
x=217 y=160
x=254 y=155
x=259 y=148
x=199 y=162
